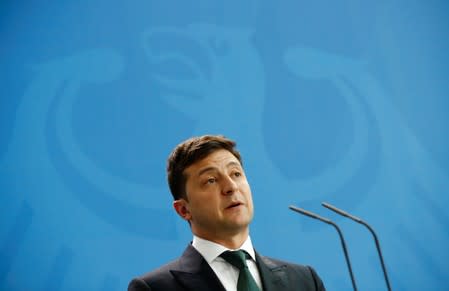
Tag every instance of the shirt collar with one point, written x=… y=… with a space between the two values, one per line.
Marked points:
x=211 y=250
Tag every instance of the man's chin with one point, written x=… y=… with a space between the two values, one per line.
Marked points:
x=241 y=224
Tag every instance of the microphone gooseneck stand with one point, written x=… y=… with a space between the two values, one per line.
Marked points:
x=343 y=244
x=376 y=240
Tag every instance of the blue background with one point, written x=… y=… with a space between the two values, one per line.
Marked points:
x=338 y=101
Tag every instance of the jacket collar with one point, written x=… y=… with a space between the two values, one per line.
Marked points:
x=194 y=273
x=273 y=275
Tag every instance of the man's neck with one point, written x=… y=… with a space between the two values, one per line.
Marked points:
x=230 y=241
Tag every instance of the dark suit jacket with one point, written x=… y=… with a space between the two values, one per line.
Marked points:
x=192 y=272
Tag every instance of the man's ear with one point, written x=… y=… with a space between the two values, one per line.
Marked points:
x=181 y=208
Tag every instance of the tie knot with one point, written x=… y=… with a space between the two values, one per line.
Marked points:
x=236 y=258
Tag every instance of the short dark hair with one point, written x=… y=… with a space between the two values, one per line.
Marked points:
x=190 y=151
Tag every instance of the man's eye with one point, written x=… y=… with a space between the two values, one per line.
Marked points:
x=210 y=181
x=237 y=174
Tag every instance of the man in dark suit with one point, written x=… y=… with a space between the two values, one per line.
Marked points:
x=212 y=194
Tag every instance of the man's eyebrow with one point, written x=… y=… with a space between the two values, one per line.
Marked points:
x=212 y=168
x=207 y=169
x=233 y=164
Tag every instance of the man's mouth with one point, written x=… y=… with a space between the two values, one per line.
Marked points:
x=233 y=205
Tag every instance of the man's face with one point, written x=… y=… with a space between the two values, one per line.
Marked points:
x=219 y=201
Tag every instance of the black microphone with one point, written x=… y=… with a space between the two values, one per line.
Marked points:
x=343 y=244
x=358 y=220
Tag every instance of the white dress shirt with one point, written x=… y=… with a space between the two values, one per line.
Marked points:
x=227 y=273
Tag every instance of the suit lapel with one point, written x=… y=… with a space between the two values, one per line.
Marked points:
x=194 y=273
x=273 y=275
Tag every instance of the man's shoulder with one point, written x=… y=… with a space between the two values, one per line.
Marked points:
x=295 y=274
x=161 y=271
x=158 y=278
x=164 y=277
x=274 y=263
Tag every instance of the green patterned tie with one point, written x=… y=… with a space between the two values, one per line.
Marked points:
x=238 y=259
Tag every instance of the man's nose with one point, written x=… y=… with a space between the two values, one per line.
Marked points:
x=229 y=186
